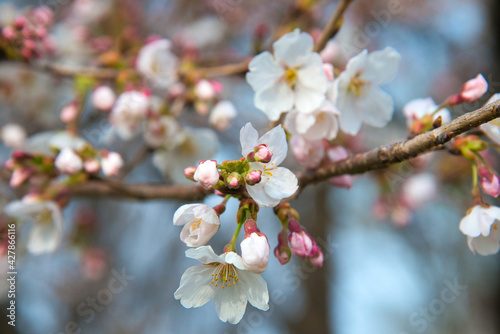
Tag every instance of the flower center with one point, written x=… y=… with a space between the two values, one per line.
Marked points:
x=291 y=77
x=196 y=224
x=224 y=275
x=494 y=227
x=268 y=170
x=356 y=84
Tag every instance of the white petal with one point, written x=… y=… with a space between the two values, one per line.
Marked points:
x=350 y=120
x=204 y=254
x=230 y=303
x=195 y=289
x=293 y=48
x=275 y=139
x=376 y=107
x=382 y=66
x=304 y=122
x=248 y=139
x=43 y=238
x=274 y=100
x=312 y=74
x=355 y=64
x=259 y=195
x=264 y=71
x=306 y=99
x=184 y=214
x=485 y=245
x=256 y=289
x=492 y=131
x=469 y=225
x=282 y=184
x=235 y=259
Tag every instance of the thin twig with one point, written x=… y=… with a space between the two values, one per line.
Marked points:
x=332 y=26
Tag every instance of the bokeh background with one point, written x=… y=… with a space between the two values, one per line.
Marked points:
x=381 y=275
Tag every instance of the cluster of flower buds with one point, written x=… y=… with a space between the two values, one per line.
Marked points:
x=27 y=166
x=28 y=35
x=293 y=238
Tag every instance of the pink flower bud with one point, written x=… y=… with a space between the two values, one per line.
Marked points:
x=255 y=253
x=328 y=68
x=8 y=32
x=490 y=183
x=233 y=180
x=301 y=244
x=189 y=172
x=204 y=90
x=309 y=153
x=262 y=153
x=68 y=162
x=103 y=98
x=253 y=177
x=40 y=32
x=29 y=44
x=19 y=175
x=331 y=52
x=250 y=226
x=337 y=153
x=217 y=86
x=176 y=90
x=91 y=165
x=13 y=135
x=20 y=22
x=207 y=174
x=282 y=251
x=317 y=260
x=111 y=164
x=69 y=113
x=473 y=89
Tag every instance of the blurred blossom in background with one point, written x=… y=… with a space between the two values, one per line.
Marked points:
x=390 y=268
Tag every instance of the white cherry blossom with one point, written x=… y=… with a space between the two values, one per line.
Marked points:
x=356 y=91
x=45 y=235
x=291 y=77
x=222 y=115
x=320 y=124
x=158 y=64
x=200 y=223
x=276 y=182
x=128 y=114
x=226 y=280
x=68 y=162
x=480 y=226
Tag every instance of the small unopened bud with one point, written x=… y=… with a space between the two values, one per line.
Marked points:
x=473 y=89
x=8 y=33
x=91 y=165
x=255 y=252
x=262 y=153
x=20 y=22
x=189 y=172
x=253 y=177
x=69 y=113
x=250 y=226
x=13 y=135
x=490 y=183
x=282 y=251
x=204 y=90
x=68 y=162
x=317 y=260
x=301 y=243
x=233 y=181
x=207 y=173
x=103 y=98
x=19 y=175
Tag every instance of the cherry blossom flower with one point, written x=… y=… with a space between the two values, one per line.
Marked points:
x=160 y=131
x=226 y=280
x=490 y=183
x=480 y=225
x=128 y=114
x=492 y=128
x=13 y=135
x=255 y=252
x=309 y=153
x=320 y=124
x=68 y=162
x=158 y=64
x=45 y=236
x=222 y=115
x=418 y=108
x=276 y=182
x=356 y=91
x=207 y=173
x=292 y=77
x=200 y=222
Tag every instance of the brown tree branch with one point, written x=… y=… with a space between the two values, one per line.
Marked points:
x=377 y=158
x=332 y=26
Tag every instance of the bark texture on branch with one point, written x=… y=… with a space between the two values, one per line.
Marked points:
x=377 y=158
